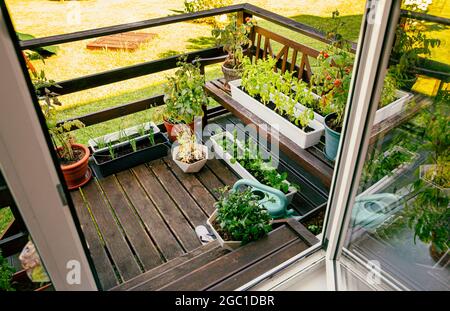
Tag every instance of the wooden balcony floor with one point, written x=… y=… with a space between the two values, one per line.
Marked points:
x=144 y=217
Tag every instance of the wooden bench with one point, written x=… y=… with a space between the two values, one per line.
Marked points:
x=293 y=57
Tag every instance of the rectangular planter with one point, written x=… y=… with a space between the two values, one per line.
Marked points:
x=236 y=166
x=159 y=150
x=386 y=181
x=114 y=137
x=285 y=127
x=393 y=108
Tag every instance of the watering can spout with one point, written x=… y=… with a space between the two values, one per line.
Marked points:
x=272 y=199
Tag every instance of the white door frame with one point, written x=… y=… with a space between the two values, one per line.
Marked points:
x=29 y=169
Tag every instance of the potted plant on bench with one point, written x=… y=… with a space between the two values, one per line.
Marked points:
x=239 y=218
x=189 y=155
x=234 y=37
x=184 y=98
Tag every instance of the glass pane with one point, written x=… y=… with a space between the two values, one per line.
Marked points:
x=401 y=218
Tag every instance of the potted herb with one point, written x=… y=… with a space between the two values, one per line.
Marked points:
x=189 y=155
x=248 y=163
x=234 y=37
x=6 y=275
x=184 y=97
x=133 y=151
x=73 y=157
x=239 y=218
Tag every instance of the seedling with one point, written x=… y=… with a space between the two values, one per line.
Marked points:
x=111 y=150
x=151 y=136
x=133 y=144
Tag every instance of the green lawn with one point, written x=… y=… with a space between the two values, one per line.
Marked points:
x=5 y=219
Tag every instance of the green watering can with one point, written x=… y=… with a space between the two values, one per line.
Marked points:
x=272 y=199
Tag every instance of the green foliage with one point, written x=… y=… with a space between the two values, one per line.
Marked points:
x=411 y=42
x=41 y=51
x=63 y=138
x=111 y=150
x=151 y=136
x=304 y=118
x=184 y=93
x=241 y=217
x=192 y=6
x=234 y=37
x=389 y=92
x=382 y=164
x=6 y=273
x=315 y=229
x=260 y=80
x=251 y=159
x=133 y=144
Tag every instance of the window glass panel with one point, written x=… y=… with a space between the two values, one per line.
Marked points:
x=401 y=217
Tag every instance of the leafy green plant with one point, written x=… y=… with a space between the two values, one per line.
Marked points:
x=132 y=142
x=304 y=118
x=141 y=129
x=251 y=159
x=234 y=37
x=63 y=139
x=100 y=142
x=184 y=93
x=6 y=273
x=240 y=216
x=151 y=136
x=192 y=6
x=315 y=229
x=111 y=150
x=389 y=92
x=411 y=43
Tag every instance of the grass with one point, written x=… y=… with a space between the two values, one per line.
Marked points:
x=74 y=60
x=6 y=217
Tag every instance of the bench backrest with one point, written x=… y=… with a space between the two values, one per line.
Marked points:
x=297 y=61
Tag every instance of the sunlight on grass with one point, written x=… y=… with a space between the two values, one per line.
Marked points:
x=6 y=217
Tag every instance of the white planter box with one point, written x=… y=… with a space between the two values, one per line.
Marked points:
x=238 y=168
x=230 y=245
x=286 y=128
x=393 y=108
x=387 y=180
x=192 y=167
x=116 y=135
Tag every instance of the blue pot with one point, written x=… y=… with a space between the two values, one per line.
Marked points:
x=331 y=139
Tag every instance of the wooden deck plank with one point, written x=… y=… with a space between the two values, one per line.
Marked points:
x=138 y=237
x=190 y=182
x=175 y=273
x=226 y=266
x=185 y=202
x=115 y=241
x=163 y=237
x=103 y=266
x=211 y=182
x=261 y=267
x=222 y=172
x=167 y=207
x=149 y=275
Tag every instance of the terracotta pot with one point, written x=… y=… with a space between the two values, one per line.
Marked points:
x=78 y=173
x=230 y=74
x=174 y=129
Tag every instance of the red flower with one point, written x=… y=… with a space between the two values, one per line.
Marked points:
x=325 y=55
x=328 y=77
x=337 y=83
x=248 y=19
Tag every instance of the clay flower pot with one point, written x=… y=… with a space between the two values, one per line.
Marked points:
x=78 y=173
x=174 y=129
x=230 y=74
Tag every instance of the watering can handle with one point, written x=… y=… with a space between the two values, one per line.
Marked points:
x=257 y=185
